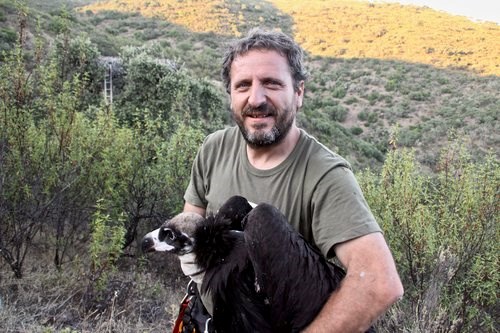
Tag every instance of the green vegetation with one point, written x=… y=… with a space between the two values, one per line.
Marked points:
x=425 y=101
x=361 y=29
x=443 y=230
x=81 y=181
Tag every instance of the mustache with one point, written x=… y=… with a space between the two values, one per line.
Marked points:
x=261 y=109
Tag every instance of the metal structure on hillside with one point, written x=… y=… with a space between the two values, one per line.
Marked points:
x=108 y=85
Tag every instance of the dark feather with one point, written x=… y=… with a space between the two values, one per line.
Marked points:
x=295 y=277
x=234 y=210
x=229 y=276
x=266 y=278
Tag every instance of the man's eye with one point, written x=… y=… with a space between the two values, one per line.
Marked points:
x=242 y=86
x=273 y=84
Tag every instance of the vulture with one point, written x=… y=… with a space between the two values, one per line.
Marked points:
x=263 y=276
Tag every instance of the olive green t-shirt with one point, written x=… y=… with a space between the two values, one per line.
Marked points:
x=314 y=187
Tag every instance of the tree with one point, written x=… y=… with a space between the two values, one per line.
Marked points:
x=61 y=158
x=443 y=231
x=168 y=92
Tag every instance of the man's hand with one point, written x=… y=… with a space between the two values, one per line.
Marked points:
x=370 y=287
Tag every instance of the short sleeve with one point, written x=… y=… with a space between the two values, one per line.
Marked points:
x=195 y=192
x=340 y=211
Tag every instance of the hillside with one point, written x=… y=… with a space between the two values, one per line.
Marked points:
x=372 y=65
x=83 y=178
x=341 y=28
x=358 y=29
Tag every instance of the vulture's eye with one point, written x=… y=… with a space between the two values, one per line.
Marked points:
x=166 y=234
x=170 y=235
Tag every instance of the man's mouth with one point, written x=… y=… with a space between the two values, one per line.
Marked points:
x=261 y=112
x=258 y=115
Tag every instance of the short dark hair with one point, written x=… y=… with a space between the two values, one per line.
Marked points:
x=259 y=39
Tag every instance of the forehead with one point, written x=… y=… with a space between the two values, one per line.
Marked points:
x=184 y=222
x=260 y=63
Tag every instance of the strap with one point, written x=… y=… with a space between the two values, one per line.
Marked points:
x=178 y=327
x=207 y=330
x=192 y=317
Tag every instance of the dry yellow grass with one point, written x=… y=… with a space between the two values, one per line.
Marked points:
x=348 y=29
x=197 y=16
x=356 y=29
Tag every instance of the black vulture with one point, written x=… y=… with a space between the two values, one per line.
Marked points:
x=263 y=275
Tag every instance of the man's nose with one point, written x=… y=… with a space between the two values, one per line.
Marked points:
x=257 y=96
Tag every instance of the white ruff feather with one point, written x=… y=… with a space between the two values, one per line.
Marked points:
x=189 y=268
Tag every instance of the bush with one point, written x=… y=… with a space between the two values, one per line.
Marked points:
x=392 y=85
x=8 y=36
x=443 y=231
x=351 y=100
x=62 y=159
x=105 y=247
x=166 y=91
x=339 y=91
x=337 y=112
x=419 y=96
x=76 y=186
x=368 y=116
x=356 y=130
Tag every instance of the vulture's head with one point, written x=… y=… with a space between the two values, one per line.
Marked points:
x=175 y=235
x=178 y=234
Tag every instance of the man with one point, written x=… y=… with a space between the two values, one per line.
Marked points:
x=267 y=158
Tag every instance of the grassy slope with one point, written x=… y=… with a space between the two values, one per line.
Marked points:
x=396 y=64
x=356 y=29
x=425 y=99
x=372 y=66
x=342 y=28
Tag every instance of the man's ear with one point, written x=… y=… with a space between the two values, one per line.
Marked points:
x=299 y=94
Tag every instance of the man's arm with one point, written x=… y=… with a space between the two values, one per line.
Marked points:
x=370 y=287
x=194 y=209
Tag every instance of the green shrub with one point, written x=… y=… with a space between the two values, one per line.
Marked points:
x=443 y=231
x=368 y=116
x=351 y=100
x=63 y=158
x=8 y=39
x=337 y=112
x=8 y=35
x=419 y=96
x=373 y=97
x=339 y=91
x=166 y=91
x=392 y=85
x=356 y=130
x=106 y=245
x=96 y=20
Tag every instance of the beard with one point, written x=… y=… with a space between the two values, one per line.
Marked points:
x=260 y=137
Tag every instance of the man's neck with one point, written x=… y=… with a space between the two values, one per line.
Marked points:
x=265 y=158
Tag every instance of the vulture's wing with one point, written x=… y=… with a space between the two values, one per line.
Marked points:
x=237 y=307
x=234 y=210
x=294 y=277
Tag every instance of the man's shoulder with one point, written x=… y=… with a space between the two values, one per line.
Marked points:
x=221 y=146
x=226 y=134
x=320 y=155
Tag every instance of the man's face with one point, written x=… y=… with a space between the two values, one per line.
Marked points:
x=263 y=100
